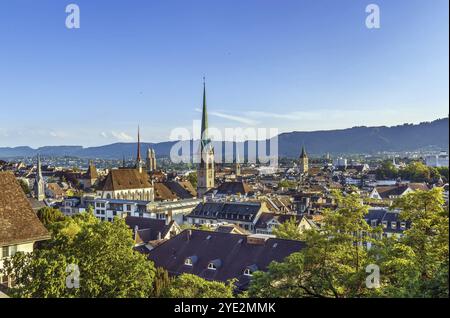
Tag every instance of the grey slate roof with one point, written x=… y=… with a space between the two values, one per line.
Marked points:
x=227 y=210
x=232 y=252
x=148 y=229
x=389 y=216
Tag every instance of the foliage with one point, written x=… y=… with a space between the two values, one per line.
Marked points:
x=24 y=186
x=415 y=171
x=288 y=230
x=49 y=215
x=332 y=265
x=414 y=265
x=443 y=171
x=161 y=282
x=192 y=286
x=287 y=184
x=417 y=264
x=192 y=178
x=387 y=170
x=103 y=252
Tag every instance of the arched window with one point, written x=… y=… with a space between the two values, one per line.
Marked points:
x=248 y=272
x=188 y=262
x=108 y=196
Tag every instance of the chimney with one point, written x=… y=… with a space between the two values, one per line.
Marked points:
x=159 y=236
x=189 y=234
x=136 y=228
x=169 y=217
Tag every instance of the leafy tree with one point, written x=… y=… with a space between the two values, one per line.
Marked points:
x=24 y=186
x=192 y=286
x=287 y=184
x=443 y=171
x=387 y=170
x=192 y=178
x=161 y=282
x=288 y=230
x=417 y=172
x=102 y=251
x=333 y=263
x=421 y=267
x=48 y=215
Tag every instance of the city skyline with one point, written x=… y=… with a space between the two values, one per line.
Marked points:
x=299 y=67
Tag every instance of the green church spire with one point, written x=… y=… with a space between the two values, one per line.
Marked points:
x=204 y=137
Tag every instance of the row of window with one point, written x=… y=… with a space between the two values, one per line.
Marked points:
x=213 y=266
x=201 y=221
x=384 y=224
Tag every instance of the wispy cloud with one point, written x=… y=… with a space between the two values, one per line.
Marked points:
x=329 y=114
x=288 y=116
x=239 y=119
x=119 y=136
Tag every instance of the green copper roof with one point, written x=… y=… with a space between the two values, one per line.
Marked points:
x=303 y=154
x=204 y=138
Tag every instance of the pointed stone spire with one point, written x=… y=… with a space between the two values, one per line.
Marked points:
x=38 y=168
x=204 y=137
x=39 y=184
x=138 y=157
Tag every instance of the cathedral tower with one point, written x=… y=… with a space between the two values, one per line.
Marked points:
x=150 y=162
x=303 y=161
x=205 y=170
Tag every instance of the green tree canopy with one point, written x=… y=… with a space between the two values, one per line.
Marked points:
x=24 y=186
x=288 y=230
x=49 y=215
x=192 y=286
x=103 y=253
x=416 y=265
x=334 y=262
x=192 y=178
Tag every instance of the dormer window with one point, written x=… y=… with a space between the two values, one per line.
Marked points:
x=403 y=225
x=212 y=266
x=374 y=223
x=190 y=261
x=393 y=225
x=247 y=272
x=215 y=264
x=384 y=223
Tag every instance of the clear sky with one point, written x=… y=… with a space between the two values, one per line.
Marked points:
x=291 y=64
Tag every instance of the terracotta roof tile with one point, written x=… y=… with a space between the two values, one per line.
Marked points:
x=18 y=222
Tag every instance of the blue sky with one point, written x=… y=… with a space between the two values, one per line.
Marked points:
x=290 y=64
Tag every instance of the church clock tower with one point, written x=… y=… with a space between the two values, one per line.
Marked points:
x=205 y=170
x=303 y=162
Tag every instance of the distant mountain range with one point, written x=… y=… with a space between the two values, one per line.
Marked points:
x=367 y=140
